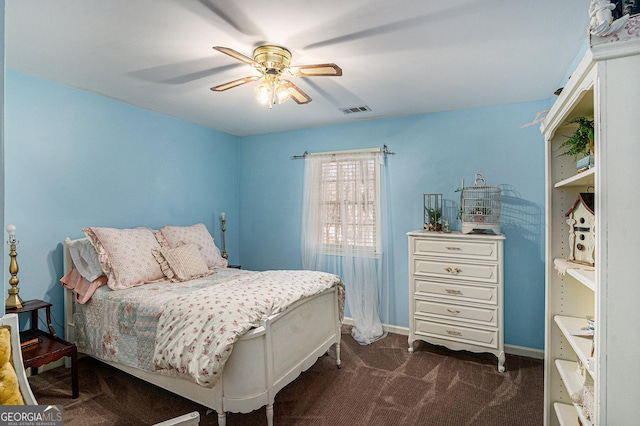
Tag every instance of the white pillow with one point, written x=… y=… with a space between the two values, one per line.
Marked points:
x=85 y=259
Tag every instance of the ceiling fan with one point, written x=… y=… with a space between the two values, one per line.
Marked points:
x=274 y=62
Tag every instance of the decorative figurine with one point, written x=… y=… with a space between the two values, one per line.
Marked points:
x=602 y=23
x=581 y=221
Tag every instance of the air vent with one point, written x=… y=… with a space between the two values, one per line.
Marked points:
x=353 y=110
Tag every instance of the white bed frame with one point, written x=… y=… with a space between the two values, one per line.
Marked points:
x=263 y=361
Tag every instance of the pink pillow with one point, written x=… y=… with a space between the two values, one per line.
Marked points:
x=126 y=255
x=198 y=234
x=82 y=287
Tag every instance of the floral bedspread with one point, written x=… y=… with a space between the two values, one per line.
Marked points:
x=189 y=328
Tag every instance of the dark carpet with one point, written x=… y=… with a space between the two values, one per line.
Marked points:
x=380 y=384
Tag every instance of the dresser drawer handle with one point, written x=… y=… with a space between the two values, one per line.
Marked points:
x=454 y=333
x=452 y=312
x=454 y=271
x=454 y=248
x=449 y=291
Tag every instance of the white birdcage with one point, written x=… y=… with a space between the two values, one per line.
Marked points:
x=480 y=207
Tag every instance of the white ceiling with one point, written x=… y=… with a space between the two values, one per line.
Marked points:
x=399 y=57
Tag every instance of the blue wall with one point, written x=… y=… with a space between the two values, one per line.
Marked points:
x=2 y=7
x=76 y=159
x=433 y=153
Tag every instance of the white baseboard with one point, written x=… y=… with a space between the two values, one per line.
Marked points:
x=403 y=331
x=510 y=349
x=524 y=351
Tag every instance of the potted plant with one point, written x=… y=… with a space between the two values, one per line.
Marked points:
x=580 y=143
x=433 y=219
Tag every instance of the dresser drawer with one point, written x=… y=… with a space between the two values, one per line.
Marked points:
x=447 y=268
x=456 y=333
x=483 y=316
x=456 y=291
x=456 y=248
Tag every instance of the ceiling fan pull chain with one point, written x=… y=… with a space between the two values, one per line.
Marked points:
x=273 y=93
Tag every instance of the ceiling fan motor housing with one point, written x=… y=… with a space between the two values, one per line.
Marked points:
x=273 y=58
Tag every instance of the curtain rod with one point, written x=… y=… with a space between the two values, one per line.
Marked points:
x=383 y=150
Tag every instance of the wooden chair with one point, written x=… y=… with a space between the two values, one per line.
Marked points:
x=12 y=321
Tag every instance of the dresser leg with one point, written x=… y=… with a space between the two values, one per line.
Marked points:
x=411 y=340
x=501 y=360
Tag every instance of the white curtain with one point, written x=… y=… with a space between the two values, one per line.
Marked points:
x=343 y=231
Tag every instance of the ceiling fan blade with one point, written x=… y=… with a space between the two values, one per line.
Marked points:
x=233 y=16
x=371 y=32
x=296 y=93
x=183 y=72
x=422 y=17
x=239 y=56
x=316 y=70
x=235 y=83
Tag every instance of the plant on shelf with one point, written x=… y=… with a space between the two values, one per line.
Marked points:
x=581 y=142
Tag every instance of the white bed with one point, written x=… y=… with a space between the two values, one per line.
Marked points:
x=262 y=362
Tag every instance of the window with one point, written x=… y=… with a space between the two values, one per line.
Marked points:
x=343 y=230
x=350 y=191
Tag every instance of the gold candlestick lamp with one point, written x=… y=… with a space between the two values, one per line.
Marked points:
x=13 y=301
x=224 y=238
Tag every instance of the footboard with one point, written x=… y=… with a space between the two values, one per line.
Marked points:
x=263 y=361
x=272 y=356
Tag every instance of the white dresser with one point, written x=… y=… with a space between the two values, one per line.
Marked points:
x=456 y=291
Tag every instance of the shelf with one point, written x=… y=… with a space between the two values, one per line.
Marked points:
x=584 y=276
x=588 y=278
x=585 y=178
x=581 y=345
x=567 y=370
x=566 y=414
x=597 y=89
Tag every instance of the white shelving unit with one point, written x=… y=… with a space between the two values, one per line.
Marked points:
x=605 y=87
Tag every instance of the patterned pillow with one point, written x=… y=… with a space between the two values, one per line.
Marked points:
x=181 y=263
x=126 y=255
x=175 y=236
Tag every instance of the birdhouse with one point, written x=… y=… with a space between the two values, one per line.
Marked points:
x=581 y=220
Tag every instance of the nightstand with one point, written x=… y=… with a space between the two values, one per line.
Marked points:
x=47 y=346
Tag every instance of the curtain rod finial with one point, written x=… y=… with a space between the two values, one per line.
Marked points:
x=385 y=150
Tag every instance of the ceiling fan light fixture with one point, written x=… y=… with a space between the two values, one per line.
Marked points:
x=282 y=93
x=263 y=92
x=271 y=91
